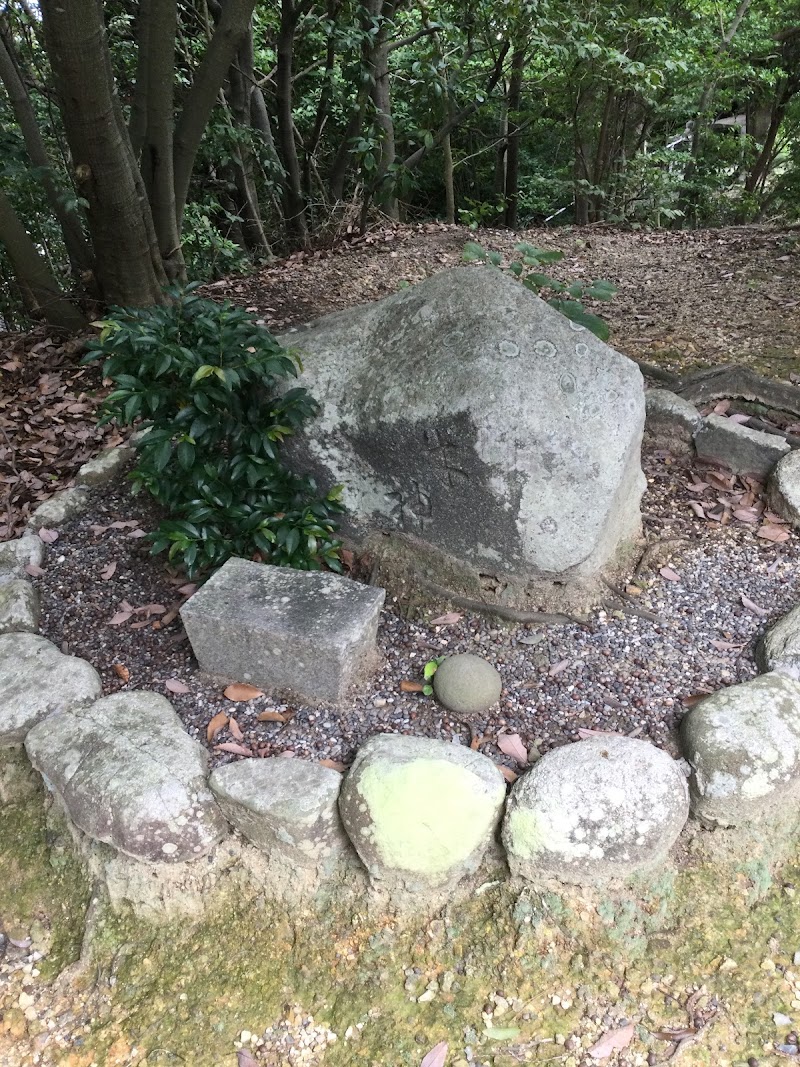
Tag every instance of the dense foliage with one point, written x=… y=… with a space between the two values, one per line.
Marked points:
x=249 y=128
x=208 y=384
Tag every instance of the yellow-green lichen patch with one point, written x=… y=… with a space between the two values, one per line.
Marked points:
x=426 y=816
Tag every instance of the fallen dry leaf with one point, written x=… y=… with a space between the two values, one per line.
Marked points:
x=34 y=570
x=585 y=733
x=273 y=716
x=241 y=691
x=511 y=745
x=187 y=589
x=613 y=1041
x=245 y=1058
x=669 y=574
x=334 y=765
x=235 y=729
x=752 y=606
x=119 y=618
x=695 y=698
x=446 y=619
x=410 y=687
x=122 y=524
x=231 y=746
x=176 y=686
x=48 y=536
x=507 y=773
x=219 y=722
x=437 y=1056
x=557 y=668
x=727 y=646
x=697 y=508
x=772 y=533
x=122 y=672
x=108 y=572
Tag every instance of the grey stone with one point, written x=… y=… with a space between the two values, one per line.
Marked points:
x=467 y=684
x=779 y=646
x=106 y=467
x=19 y=607
x=37 y=680
x=738 y=448
x=671 y=421
x=783 y=488
x=18 y=554
x=309 y=634
x=420 y=812
x=284 y=805
x=60 y=508
x=130 y=776
x=743 y=745
x=596 y=810
x=466 y=413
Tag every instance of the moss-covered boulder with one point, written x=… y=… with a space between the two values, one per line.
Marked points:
x=420 y=812
x=596 y=810
x=743 y=745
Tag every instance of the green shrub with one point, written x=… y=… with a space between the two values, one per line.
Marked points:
x=205 y=379
x=568 y=299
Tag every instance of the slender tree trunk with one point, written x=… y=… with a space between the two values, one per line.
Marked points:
x=512 y=154
x=449 y=188
x=341 y=160
x=137 y=123
x=157 y=162
x=80 y=255
x=760 y=167
x=237 y=98
x=41 y=294
x=206 y=84
x=129 y=269
x=500 y=159
x=294 y=201
x=381 y=12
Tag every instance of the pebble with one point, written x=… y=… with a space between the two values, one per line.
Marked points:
x=780 y=1019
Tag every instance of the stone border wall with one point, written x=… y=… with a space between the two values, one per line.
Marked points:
x=418 y=818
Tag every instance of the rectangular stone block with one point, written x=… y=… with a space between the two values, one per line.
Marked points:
x=305 y=634
x=739 y=448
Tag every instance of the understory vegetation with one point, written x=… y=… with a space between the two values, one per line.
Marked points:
x=142 y=145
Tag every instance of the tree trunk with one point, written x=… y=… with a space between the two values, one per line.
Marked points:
x=341 y=161
x=80 y=255
x=237 y=95
x=513 y=143
x=129 y=269
x=157 y=42
x=381 y=12
x=449 y=189
x=206 y=84
x=294 y=201
x=499 y=186
x=40 y=291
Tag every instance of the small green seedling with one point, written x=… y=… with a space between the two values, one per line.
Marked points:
x=430 y=669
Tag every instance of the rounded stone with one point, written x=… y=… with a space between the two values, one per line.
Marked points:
x=420 y=812
x=783 y=488
x=595 y=810
x=743 y=745
x=467 y=684
x=779 y=647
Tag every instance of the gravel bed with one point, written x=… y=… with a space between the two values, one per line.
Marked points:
x=617 y=672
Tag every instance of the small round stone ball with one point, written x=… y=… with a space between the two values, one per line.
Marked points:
x=467 y=684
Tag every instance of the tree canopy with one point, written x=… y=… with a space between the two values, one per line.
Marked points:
x=144 y=143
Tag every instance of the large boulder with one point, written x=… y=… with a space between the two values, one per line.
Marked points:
x=596 y=810
x=743 y=745
x=130 y=776
x=37 y=680
x=783 y=488
x=779 y=647
x=467 y=415
x=420 y=812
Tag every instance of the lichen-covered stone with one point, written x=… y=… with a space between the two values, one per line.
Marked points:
x=779 y=647
x=308 y=635
x=467 y=684
x=783 y=488
x=37 y=680
x=60 y=508
x=420 y=812
x=129 y=775
x=468 y=415
x=671 y=421
x=738 y=448
x=105 y=467
x=18 y=554
x=284 y=805
x=19 y=607
x=743 y=745
x=595 y=810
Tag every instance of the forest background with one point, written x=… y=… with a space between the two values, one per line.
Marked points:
x=143 y=143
